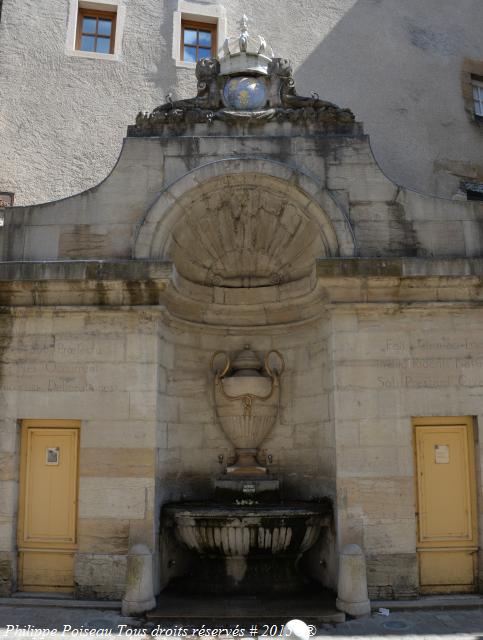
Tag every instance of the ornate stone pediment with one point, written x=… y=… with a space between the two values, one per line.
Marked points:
x=246 y=84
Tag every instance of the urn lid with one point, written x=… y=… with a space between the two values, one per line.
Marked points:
x=246 y=363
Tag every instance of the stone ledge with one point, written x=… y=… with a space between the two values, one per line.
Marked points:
x=68 y=270
x=473 y=601
x=145 y=269
x=144 y=282
x=199 y=127
x=399 y=267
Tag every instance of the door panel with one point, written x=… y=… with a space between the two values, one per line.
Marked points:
x=436 y=566
x=447 y=536
x=48 y=505
x=43 y=571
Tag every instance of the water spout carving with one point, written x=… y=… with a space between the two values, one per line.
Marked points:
x=247 y=400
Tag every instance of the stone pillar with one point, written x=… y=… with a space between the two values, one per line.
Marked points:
x=139 y=595
x=352 y=595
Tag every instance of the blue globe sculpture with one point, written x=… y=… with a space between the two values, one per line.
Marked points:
x=245 y=94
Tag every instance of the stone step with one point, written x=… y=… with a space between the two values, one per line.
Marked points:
x=313 y=609
x=57 y=600
x=453 y=601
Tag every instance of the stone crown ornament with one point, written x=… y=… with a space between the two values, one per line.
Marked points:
x=245 y=53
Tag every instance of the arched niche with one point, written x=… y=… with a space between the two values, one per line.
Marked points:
x=244 y=223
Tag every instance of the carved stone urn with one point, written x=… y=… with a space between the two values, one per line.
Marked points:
x=247 y=398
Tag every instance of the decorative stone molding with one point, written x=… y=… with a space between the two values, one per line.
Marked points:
x=302 y=191
x=243 y=233
x=247 y=84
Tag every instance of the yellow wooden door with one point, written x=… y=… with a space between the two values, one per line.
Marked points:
x=48 y=505
x=446 y=492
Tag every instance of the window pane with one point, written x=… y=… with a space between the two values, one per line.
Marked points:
x=205 y=39
x=103 y=45
x=478 y=108
x=88 y=43
x=104 y=27
x=204 y=53
x=89 y=25
x=190 y=36
x=190 y=54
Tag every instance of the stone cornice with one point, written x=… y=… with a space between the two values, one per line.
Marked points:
x=399 y=267
x=340 y=281
x=72 y=270
x=31 y=270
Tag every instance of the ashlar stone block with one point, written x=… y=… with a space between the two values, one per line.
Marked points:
x=116 y=462
x=100 y=576
x=119 y=498
x=103 y=535
x=126 y=433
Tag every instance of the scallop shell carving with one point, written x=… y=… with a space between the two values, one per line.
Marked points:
x=244 y=236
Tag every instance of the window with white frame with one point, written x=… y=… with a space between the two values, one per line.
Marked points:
x=198 y=40
x=95 y=28
x=478 y=96
x=6 y=198
x=198 y=31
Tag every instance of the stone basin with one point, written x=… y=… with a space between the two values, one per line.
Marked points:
x=238 y=531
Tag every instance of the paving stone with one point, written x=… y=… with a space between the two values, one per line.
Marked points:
x=450 y=625
x=447 y=624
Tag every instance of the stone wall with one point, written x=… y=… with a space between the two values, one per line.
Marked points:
x=58 y=137
x=85 y=365
x=391 y=365
x=334 y=178
x=301 y=444
x=140 y=383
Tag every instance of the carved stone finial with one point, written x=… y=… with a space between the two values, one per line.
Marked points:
x=244 y=24
x=246 y=363
x=263 y=46
x=243 y=33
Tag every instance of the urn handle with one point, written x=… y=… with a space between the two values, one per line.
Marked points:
x=220 y=373
x=268 y=368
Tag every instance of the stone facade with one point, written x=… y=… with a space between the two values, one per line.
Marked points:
x=407 y=89
x=211 y=233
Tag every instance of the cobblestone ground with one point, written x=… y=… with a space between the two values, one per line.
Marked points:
x=81 y=624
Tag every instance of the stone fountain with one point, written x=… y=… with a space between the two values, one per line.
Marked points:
x=246 y=539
